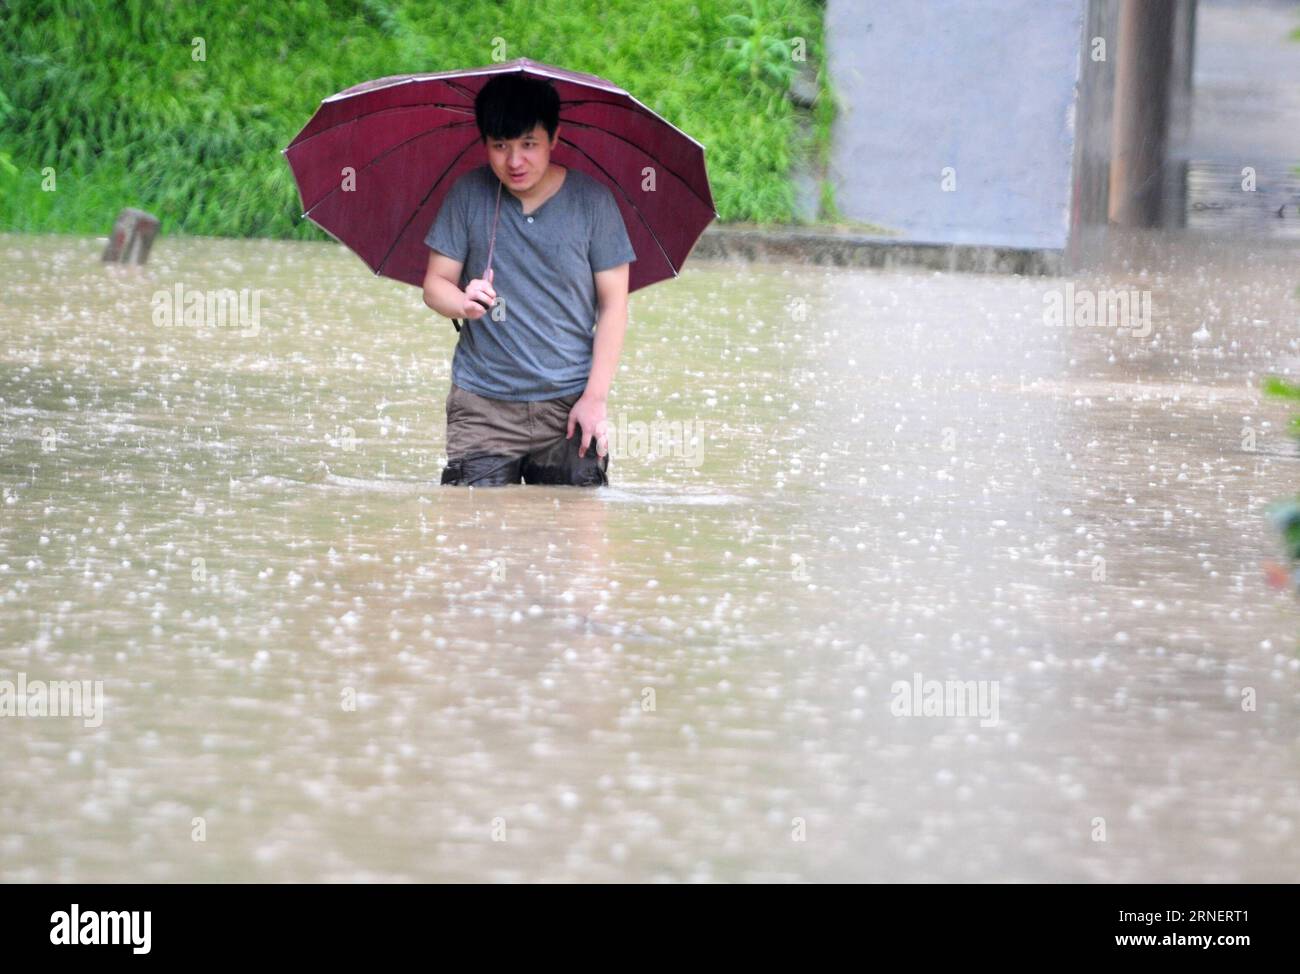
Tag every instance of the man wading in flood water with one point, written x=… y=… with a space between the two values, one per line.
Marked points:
x=526 y=372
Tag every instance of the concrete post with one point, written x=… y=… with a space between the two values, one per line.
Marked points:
x=132 y=236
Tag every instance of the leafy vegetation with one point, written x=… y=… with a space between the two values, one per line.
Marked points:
x=181 y=107
x=1286 y=514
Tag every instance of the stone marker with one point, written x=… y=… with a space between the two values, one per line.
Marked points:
x=132 y=237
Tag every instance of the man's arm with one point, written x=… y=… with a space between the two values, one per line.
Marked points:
x=442 y=294
x=611 y=324
x=588 y=413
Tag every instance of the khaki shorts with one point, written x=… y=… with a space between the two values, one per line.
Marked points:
x=496 y=441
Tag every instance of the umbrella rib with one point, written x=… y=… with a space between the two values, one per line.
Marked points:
x=387 y=152
x=402 y=232
x=654 y=236
x=382 y=111
x=461 y=88
x=637 y=109
x=646 y=152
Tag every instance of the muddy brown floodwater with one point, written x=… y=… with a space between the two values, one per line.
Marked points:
x=833 y=486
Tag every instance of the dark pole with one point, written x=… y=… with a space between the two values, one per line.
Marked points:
x=1142 y=81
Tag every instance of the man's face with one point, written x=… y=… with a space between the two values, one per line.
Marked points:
x=521 y=163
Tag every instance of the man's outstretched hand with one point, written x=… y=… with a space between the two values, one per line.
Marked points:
x=588 y=415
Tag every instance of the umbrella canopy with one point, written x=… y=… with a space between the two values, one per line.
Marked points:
x=408 y=138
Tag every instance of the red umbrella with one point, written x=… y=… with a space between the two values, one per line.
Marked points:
x=409 y=137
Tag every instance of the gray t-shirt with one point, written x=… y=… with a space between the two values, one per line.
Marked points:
x=543 y=267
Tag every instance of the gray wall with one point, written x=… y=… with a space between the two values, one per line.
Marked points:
x=987 y=88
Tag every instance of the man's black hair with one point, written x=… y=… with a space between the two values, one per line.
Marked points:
x=511 y=105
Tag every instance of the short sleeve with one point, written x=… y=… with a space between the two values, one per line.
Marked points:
x=450 y=231
x=609 y=245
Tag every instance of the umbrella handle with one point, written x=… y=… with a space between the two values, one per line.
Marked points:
x=492 y=242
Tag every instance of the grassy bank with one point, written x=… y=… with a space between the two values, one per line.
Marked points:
x=114 y=101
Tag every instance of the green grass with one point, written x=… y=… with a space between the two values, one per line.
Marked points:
x=110 y=98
